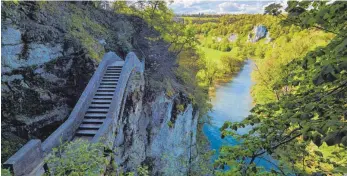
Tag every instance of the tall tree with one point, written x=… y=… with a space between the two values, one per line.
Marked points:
x=273 y=9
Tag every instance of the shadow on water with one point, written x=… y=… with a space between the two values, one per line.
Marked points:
x=232 y=102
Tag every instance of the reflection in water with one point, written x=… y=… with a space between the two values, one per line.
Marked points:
x=232 y=102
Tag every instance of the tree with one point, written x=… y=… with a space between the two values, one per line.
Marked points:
x=273 y=9
x=232 y=64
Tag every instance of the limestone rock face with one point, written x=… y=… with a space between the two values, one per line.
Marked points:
x=16 y=53
x=258 y=33
x=40 y=80
x=232 y=37
x=145 y=136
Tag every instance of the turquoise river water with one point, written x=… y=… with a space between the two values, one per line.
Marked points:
x=232 y=102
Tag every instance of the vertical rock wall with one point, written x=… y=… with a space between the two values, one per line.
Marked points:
x=150 y=133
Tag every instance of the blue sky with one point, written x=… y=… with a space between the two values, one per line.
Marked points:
x=221 y=7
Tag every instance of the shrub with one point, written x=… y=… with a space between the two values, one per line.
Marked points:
x=180 y=108
x=5 y=172
x=77 y=158
x=142 y=171
x=170 y=124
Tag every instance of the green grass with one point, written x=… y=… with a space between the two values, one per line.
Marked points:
x=212 y=54
x=203 y=19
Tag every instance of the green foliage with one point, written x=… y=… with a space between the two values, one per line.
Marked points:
x=5 y=172
x=273 y=9
x=142 y=171
x=231 y=64
x=170 y=124
x=10 y=2
x=302 y=123
x=180 y=108
x=82 y=28
x=190 y=63
x=78 y=157
x=10 y=145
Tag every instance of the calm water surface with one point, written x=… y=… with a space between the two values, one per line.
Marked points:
x=232 y=102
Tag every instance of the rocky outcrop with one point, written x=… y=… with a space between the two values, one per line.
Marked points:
x=46 y=65
x=258 y=33
x=232 y=37
x=39 y=90
x=154 y=133
x=16 y=53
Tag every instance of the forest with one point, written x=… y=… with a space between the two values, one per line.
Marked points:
x=299 y=116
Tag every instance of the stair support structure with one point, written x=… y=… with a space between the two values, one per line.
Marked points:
x=93 y=117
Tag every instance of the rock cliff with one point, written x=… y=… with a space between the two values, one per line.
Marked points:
x=153 y=132
x=258 y=33
x=50 y=51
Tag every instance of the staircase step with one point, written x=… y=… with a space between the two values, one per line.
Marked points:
x=111 y=77
x=93 y=121
x=101 y=101
x=114 y=68
x=102 y=98
x=105 y=90
x=91 y=107
x=107 y=100
x=86 y=132
x=101 y=106
x=104 y=93
x=112 y=74
x=107 y=83
x=109 y=80
x=95 y=115
x=90 y=126
x=113 y=88
x=97 y=111
x=107 y=87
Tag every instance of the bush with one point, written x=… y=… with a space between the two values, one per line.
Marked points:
x=5 y=172
x=180 y=108
x=77 y=158
x=142 y=171
x=170 y=124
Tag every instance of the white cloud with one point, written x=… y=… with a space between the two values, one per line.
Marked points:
x=222 y=7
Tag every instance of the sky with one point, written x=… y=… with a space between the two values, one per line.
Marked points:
x=222 y=6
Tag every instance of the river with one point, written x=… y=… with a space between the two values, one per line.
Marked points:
x=232 y=102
